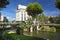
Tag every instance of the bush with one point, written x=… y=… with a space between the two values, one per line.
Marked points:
x=56 y=26
x=47 y=28
x=52 y=29
x=19 y=31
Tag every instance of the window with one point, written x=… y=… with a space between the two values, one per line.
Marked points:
x=22 y=17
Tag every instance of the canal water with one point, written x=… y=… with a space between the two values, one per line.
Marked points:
x=45 y=35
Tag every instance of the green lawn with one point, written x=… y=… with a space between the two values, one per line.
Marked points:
x=4 y=35
x=20 y=37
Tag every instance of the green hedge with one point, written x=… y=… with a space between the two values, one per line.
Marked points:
x=56 y=26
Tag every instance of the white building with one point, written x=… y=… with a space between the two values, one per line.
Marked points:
x=2 y=18
x=21 y=14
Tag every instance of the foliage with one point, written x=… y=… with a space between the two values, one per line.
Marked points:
x=1 y=33
x=55 y=19
x=42 y=18
x=51 y=20
x=34 y=9
x=57 y=3
x=39 y=18
x=3 y=3
x=56 y=26
x=19 y=31
x=53 y=29
x=28 y=23
x=14 y=36
x=19 y=37
x=46 y=18
x=5 y=19
x=47 y=28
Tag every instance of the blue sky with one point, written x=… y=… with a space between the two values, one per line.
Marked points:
x=48 y=6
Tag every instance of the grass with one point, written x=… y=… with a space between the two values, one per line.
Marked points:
x=15 y=36
x=21 y=37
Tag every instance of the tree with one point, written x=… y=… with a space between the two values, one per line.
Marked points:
x=51 y=20
x=57 y=3
x=5 y=19
x=55 y=19
x=34 y=9
x=3 y=3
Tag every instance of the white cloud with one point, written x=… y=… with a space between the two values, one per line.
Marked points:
x=8 y=17
x=51 y=13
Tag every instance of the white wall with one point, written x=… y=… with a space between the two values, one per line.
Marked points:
x=21 y=13
x=2 y=18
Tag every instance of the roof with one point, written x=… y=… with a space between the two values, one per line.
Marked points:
x=21 y=6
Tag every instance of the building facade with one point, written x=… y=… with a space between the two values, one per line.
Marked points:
x=1 y=18
x=21 y=14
